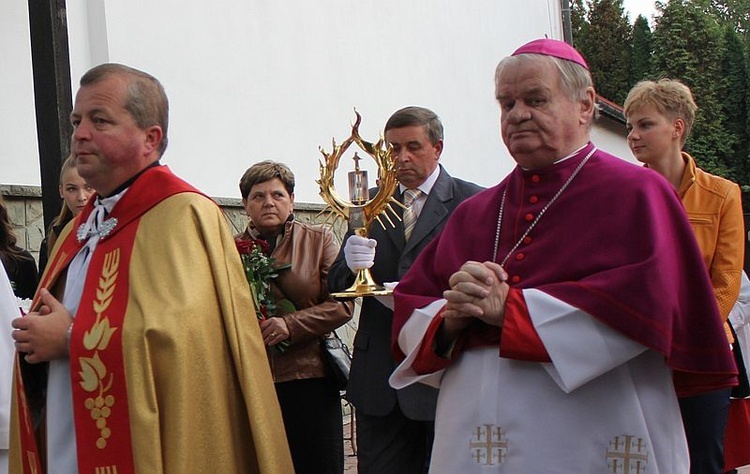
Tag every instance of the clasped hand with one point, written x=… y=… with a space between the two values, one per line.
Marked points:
x=477 y=290
x=42 y=334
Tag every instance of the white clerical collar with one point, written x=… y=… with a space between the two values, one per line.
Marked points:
x=571 y=155
x=425 y=187
x=563 y=159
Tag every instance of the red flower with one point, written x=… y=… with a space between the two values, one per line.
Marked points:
x=245 y=247
x=259 y=271
x=264 y=246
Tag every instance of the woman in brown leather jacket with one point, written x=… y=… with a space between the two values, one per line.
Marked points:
x=309 y=398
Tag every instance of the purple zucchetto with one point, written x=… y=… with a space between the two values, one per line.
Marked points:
x=554 y=48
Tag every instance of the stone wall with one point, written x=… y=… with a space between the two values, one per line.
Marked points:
x=24 y=204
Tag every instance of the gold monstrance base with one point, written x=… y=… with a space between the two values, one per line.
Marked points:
x=364 y=285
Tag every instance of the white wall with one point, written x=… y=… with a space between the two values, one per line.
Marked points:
x=19 y=157
x=609 y=135
x=255 y=79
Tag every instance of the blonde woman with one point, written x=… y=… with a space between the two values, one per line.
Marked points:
x=75 y=193
x=660 y=116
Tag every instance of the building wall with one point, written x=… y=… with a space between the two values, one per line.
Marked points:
x=258 y=79
x=24 y=205
x=610 y=135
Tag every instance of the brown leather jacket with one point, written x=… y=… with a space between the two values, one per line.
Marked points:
x=310 y=250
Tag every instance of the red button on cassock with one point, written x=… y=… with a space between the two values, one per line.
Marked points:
x=535 y=178
x=515 y=279
x=533 y=199
x=520 y=256
x=527 y=240
x=529 y=217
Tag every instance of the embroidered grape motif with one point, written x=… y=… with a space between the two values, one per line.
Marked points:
x=100 y=408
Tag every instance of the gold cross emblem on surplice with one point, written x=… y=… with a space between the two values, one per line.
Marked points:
x=488 y=445
x=627 y=455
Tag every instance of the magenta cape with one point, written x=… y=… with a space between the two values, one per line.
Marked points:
x=616 y=244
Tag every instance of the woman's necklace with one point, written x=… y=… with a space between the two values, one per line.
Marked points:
x=538 y=217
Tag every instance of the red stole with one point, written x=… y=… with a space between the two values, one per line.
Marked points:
x=98 y=375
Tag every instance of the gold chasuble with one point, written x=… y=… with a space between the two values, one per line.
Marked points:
x=168 y=368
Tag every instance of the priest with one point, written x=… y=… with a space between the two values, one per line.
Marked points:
x=561 y=311
x=150 y=354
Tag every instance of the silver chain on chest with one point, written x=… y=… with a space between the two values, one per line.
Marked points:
x=538 y=217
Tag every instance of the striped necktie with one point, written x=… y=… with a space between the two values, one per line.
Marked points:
x=410 y=214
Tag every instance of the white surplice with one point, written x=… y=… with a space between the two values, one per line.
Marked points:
x=605 y=404
x=8 y=312
x=739 y=317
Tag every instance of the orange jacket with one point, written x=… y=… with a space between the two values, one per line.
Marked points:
x=714 y=207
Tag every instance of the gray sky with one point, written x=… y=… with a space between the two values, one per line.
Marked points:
x=639 y=7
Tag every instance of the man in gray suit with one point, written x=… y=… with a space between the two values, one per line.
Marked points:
x=395 y=427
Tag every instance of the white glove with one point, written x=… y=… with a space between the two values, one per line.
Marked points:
x=359 y=252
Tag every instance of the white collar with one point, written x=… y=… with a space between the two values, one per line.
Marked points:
x=564 y=158
x=571 y=155
x=425 y=187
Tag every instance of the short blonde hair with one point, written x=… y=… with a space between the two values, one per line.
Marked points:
x=670 y=97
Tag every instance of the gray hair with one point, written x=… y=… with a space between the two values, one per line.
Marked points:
x=574 y=78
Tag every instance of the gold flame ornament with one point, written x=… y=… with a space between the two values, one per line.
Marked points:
x=360 y=210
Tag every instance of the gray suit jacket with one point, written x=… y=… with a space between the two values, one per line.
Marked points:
x=373 y=362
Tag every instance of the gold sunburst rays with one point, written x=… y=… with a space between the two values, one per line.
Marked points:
x=360 y=216
x=377 y=208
